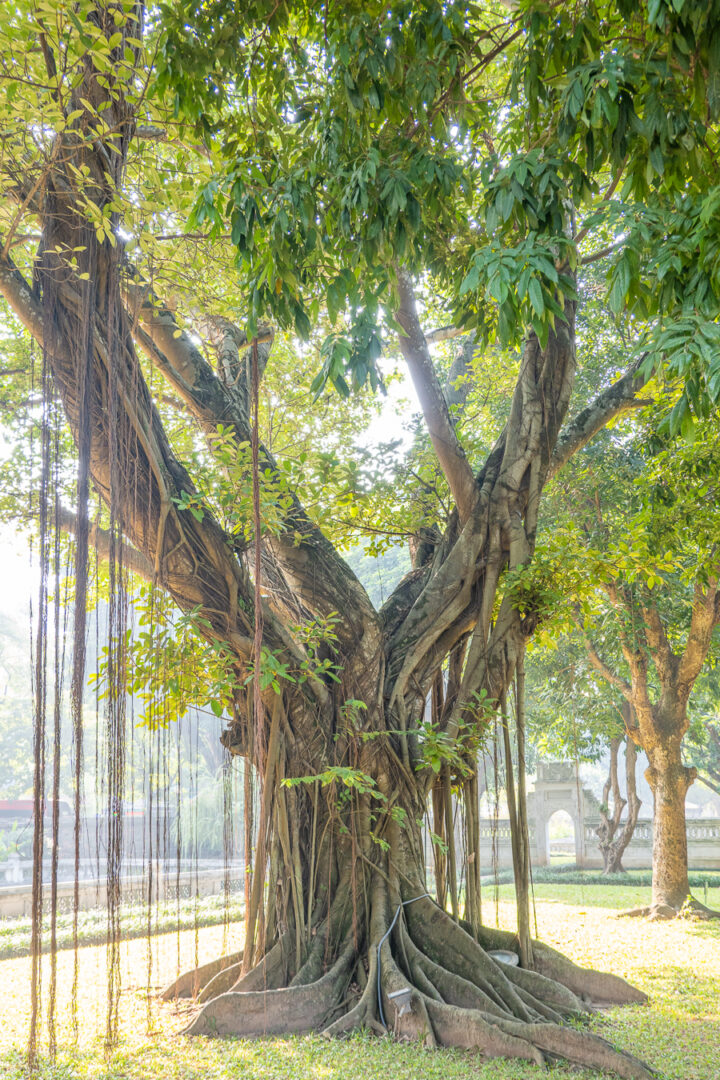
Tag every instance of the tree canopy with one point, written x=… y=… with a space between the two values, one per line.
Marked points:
x=207 y=207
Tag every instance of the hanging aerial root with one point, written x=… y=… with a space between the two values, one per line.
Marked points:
x=292 y=1010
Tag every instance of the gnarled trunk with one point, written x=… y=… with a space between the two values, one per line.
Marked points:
x=368 y=946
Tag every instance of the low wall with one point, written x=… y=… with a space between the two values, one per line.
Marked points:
x=703 y=846
x=16 y=900
x=703 y=839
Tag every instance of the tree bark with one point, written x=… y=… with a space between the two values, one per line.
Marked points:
x=613 y=842
x=669 y=780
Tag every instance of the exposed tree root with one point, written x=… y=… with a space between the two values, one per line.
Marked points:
x=292 y=1010
x=191 y=982
x=694 y=909
x=585 y=984
x=457 y=994
x=691 y=909
x=217 y=977
x=580 y=1048
x=220 y=984
x=469 y=1029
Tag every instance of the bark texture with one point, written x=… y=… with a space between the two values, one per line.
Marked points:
x=614 y=839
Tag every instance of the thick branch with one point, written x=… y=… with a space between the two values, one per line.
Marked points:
x=703 y=621
x=104 y=543
x=322 y=580
x=608 y=404
x=450 y=453
x=666 y=662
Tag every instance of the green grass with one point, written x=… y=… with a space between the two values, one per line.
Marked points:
x=596 y=894
x=570 y=875
x=677 y=963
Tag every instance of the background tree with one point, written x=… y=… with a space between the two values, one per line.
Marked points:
x=702 y=742
x=647 y=532
x=575 y=715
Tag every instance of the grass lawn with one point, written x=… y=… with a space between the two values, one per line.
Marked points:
x=677 y=963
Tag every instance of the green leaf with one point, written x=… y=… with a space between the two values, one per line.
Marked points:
x=536 y=297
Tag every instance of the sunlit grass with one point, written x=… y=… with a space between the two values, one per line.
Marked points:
x=677 y=963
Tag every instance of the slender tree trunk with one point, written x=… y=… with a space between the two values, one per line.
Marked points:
x=614 y=839
x=620 y=842
x=669 y=780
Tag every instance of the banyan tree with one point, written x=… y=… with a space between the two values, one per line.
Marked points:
x=354 y=171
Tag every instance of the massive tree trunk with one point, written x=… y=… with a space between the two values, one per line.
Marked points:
x=339 y=918
x=349 y=924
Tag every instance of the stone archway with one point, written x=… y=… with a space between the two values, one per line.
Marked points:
x=561 y=840
x=558 y=787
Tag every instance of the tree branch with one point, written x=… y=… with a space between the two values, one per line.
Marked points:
x=443 y=333
x=450 y=453
x=608 y=404
x=103 y=542
x=603 y=669
x=703 y=621
x=666 y=662
x=457 y=384
x=313 y=569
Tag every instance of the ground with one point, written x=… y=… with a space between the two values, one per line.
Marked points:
x=677 y=963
